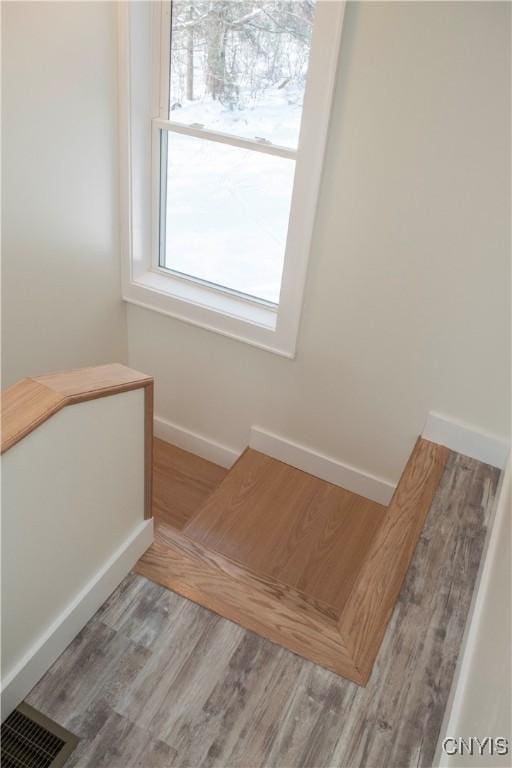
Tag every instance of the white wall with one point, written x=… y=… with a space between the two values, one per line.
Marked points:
x=71 y=533
x=481 y=701
x=60 y=252
x=406 y=307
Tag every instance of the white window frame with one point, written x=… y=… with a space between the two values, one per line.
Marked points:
x=143 y=45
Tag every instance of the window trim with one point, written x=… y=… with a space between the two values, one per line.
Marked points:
x=142 y=47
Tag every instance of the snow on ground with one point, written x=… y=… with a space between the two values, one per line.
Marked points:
x=228 y=208
x=274 y=115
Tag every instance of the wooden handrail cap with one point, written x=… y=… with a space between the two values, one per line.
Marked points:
x=32 y=401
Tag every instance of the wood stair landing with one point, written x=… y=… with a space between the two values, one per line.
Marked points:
x=303 y=562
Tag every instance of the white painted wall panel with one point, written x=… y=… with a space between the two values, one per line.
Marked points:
x=61 y=302
x=407 y=298
x=72 y=494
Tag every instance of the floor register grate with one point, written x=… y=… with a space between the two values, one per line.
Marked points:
x=32 y=740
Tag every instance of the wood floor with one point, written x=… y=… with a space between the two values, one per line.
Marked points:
x=181 y=483
x=156 y=680
x=298 y=529
x=303 y=562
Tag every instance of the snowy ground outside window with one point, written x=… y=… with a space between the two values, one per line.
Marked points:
x=239 y=68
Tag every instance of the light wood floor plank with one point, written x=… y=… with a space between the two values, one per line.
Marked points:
x=181 y=483
x=281 y=522
x=261 y=706
x=285 y=554
x=120 y=743
x=152 y=689
x=368 y=609
x=216 y=723
x=259 y=603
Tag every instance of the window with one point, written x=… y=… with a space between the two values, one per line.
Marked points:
x=236 y=90
x=241 y=94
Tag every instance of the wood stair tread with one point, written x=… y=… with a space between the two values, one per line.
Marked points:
x=298 y=560
x=287 y=524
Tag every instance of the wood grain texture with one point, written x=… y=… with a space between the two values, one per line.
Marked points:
x=283 y=614
x=181 y=483
x=279 y=521
x=25 y=405
x=30 y=402
x=271 y=541
x=148 y=450
x=365 y=615
x=158 y=673
x=86 y=383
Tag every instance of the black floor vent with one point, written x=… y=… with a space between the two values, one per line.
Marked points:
x=32 y=740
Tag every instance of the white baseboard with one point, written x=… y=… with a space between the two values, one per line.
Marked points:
x=198 y=444
x=324 y=467
x=17 y=684
x=466 y=440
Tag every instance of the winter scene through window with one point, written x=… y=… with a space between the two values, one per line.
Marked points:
x=237 y=80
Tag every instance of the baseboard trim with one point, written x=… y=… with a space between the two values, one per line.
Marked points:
x=195 y=443
x=466 y=440
x=324 y=467
x=17 y=684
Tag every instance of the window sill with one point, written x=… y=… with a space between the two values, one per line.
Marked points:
x=206 y=307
